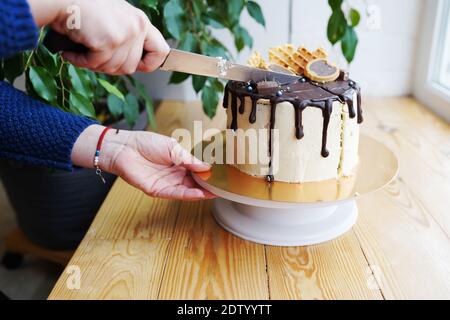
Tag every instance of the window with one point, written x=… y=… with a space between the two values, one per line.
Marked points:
x=432 y=78
x=443 y=75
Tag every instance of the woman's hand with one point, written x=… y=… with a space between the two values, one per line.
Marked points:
x=153 y=163
x=115 y=32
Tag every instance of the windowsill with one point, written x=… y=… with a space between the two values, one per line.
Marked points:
x=430 y=60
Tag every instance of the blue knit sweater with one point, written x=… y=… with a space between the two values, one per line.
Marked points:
x=31 y=132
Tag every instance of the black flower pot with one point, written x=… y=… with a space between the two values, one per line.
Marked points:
x=55 y=208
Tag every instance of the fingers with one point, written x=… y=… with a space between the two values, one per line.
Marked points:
x=156 y=49
x=181 y=192
x=182 y=157
x=134 y=57
x=123 y=60
x=90 y=60
x=190 y=183
x=116 y=63
x=175 y=184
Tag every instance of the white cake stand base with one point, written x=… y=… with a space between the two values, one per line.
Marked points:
x=298 y=226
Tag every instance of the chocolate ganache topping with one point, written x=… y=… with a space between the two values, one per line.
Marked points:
x=302 y=94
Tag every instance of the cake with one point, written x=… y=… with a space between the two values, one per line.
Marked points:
x=316 y=119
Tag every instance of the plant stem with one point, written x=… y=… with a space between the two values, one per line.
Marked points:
x=63 y=101
x=28 y=63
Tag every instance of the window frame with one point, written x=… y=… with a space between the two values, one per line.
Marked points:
x=427 y=87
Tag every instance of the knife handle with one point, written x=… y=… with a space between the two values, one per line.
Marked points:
x=56 y=42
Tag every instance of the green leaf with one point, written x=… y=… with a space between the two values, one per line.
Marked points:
x=216 y=84
x=248 y=40
x=210 y=100
x=149 y=107
x=43 y=84
x=214 y=21
x=131 y=110
x=199 y=7
x=242 y=38
x=48 y=60
x=80 y=81
x=355 y=17
x=234 y=9
x=148 y=101
x=92 y=77
x=150 y=4
x=335 y=4
x=13 y=67
x=214 y=49
x=174 y=17
x=254 y=10
x=198 y=82
x=188 y=42
x=178 y=77
x=349 y=43
x=115 y=105
x=336 y=26
x=140 y=89
x=111 y=89
x=81 y=105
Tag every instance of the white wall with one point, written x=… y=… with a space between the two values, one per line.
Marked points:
x=384 y=63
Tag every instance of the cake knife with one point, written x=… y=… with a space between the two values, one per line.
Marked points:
x=187 y=62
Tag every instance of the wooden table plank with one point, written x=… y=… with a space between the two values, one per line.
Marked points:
x=206 y=262
x=334 y=270
x=137 y=217
x=115 y=269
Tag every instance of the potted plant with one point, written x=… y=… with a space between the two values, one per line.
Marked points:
x=55 y=208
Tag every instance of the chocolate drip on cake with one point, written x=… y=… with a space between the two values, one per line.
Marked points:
x=242 y=106
x=298 y=107
x=358 y=99
x=301 y=95
x=252 y=118
x=326 y=112
x=273 y=110
x=234 y=112
x=226 y=94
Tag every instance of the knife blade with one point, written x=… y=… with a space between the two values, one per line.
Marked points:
x=193 y=63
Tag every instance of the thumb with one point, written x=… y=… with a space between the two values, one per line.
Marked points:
x=182 y=157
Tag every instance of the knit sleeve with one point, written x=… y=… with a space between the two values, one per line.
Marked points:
x=18 y=32
x=34 y=133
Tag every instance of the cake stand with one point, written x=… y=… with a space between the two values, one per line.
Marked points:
x=284 y=214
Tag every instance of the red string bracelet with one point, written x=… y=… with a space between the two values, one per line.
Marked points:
x=98 y=171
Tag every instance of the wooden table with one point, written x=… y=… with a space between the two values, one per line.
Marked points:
x=144 y=248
